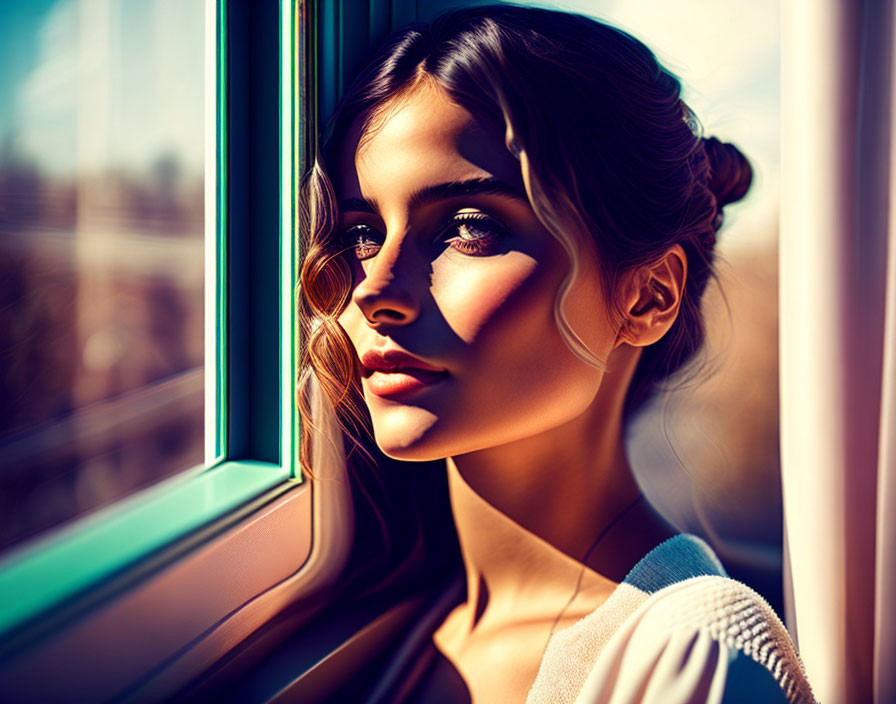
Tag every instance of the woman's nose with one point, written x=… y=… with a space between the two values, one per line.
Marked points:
x=384 y=295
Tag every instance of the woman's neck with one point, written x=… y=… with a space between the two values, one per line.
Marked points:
x=529 y=512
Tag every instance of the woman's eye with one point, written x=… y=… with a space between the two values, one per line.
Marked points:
x=472 y=233
x=363 y=240
x=476 y=234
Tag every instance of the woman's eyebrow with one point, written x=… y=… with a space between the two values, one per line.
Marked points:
x=442 y=191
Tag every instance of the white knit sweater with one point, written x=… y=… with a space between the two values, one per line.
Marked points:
x=677 y=630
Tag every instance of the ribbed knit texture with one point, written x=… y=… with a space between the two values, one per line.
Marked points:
x=677 y=592
x=743 y=620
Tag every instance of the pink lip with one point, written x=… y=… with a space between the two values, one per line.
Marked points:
x=390 y=372
x=402 y=381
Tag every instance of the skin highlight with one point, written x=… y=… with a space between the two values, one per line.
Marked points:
x=533 y=435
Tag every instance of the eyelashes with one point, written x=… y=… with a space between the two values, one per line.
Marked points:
x=476 y=234
x=363 y=240
x=472 y=233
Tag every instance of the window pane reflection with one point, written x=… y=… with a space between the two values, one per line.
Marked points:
x=101 y=252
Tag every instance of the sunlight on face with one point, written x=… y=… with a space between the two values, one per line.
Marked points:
x=461 y=278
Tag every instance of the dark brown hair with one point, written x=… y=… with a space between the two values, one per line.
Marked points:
x=612 y=151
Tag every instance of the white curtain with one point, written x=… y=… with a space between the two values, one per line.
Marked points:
x=838 y=344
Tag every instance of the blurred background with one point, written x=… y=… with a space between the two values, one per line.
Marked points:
x=101 y=252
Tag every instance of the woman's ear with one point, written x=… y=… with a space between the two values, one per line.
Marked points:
x=651 y=299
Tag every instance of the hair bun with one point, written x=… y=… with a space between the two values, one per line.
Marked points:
x=730 y=174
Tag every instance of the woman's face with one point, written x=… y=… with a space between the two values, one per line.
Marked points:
x=461 y=278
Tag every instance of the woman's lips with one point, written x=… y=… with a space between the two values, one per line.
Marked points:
x=393 y=372
x=402 y=381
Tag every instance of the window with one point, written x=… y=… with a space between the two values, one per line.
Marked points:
x=146 y=235
x=102 y=265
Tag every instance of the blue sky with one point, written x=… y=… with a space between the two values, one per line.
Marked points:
x=19 y=22
x=87 y=85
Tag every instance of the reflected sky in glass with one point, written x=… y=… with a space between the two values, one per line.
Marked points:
x=102 y=139
x=50 y=49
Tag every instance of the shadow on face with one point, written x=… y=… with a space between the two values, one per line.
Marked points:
x=453 y=268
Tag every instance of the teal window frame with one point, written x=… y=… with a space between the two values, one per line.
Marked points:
x=251 y=419
x=252 y=423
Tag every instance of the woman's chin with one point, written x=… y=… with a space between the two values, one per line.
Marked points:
x=409 y=453
x=400 y=447
x=406 y=456
x=409 y=437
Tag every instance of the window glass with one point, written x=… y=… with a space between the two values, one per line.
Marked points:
x=101 y=252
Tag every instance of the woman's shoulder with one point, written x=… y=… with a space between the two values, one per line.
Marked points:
x=678 y=629
x=704 y=639
x=708 y=638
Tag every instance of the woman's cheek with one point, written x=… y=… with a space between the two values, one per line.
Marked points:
x=351 y=319
x=587 y=311
x=474 y=295
x=503 y=309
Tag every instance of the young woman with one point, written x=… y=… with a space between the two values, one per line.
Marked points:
x=508 y=234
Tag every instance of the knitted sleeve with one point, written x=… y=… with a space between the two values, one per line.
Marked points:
x=706 y=639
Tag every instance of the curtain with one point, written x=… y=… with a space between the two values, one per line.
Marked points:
x=838 y=344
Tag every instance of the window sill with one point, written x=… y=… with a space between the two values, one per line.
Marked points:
x=52 y=569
